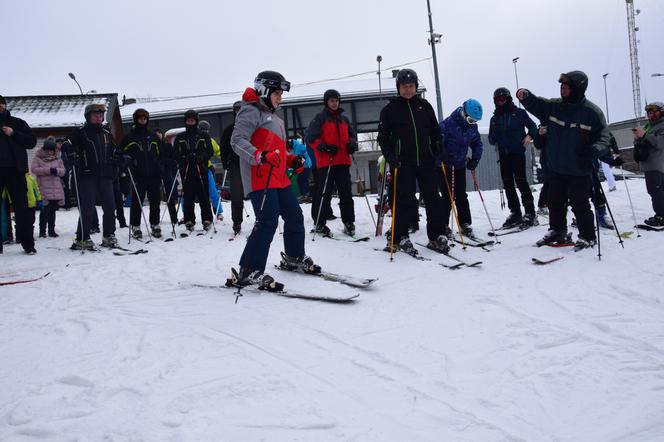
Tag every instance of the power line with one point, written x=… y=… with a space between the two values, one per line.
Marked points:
x=235 y=93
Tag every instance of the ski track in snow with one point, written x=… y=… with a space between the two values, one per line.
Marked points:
x=111 y=348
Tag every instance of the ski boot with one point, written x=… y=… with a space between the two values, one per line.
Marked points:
x=302 y=264
x=439 y=245
x=52 y=234
x=246 y=277
x=447 y=232
x=582 y=243
x=513 y=220
x=136 y=233
x=323 y=231
x=349 y=229
x=544 y=211
x=189 y=225
x=553 y=237
x=529 y=220
x=237 y=227
x=404 y=245
x=602 y=220
x=156 y=230
x=414 y=228
x=109 y=241
x=86 y=244
x=466 y=230
x=654 y=221
x=207 y=225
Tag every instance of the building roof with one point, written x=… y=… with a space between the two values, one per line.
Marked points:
x=299 y=94
x=58 y=111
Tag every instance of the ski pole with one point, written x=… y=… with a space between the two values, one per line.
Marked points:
x=177 y=208
x=322 y=198
x=139 y=201
x=170 y=194
x=381 y=198
x=267 y=185
x=636 y=224
x=206 y=191
x=477 y=187
x=364 y=191
x=599 y=243
x=78 y=205
x=452 y=204
x=608 y=207
x=394 y=212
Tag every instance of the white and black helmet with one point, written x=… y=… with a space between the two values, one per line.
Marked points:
x=267 y=82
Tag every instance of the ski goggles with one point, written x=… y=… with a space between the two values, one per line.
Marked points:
x=275 y=84
x=468 y=118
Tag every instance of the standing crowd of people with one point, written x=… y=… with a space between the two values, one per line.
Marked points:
x=422 y=155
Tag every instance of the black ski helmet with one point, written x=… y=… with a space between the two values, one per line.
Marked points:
x=267 y=82
x=502 y=91
x=407 y=76
x=577 y=81
x=236 y=106
x=140 y=112
x=191 y=114
x=331 y=93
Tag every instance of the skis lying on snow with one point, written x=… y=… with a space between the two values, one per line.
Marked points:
x=349 y=280
x=23 y=281
x=238 y=290
x=650 y=228
x=460 y=261
x=344 y=237
x=474 y=241
x=544 y=261
x=510 y=230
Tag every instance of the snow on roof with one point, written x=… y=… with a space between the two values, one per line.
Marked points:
x=223 y=100
x=51 y=111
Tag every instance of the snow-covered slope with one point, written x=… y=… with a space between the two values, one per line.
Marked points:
x=113 y=348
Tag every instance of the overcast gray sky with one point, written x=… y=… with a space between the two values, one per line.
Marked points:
x=173 y=48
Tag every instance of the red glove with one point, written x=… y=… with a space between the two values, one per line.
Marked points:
x=272 y=157
x=296 y=162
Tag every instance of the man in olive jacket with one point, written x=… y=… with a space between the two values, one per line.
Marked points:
x=15 y=138
x=577 y=134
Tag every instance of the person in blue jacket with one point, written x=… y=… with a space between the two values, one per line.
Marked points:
x=459 y=134
x=512 y=130
x=299 y=148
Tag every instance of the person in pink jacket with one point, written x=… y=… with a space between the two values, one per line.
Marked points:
x=48 y=168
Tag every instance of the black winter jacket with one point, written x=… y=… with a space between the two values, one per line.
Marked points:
x=18 y=142
x=193 y=148
x=97 y=153
x=145 y=149
x=408 y=132
x=228 y=156
x=507 y=127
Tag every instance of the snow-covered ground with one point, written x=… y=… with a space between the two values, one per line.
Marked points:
x=111 y=348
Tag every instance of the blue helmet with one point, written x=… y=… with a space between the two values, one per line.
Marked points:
x=473 y=110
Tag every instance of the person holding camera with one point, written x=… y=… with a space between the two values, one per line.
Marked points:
x=331 y=137
x=649 y=153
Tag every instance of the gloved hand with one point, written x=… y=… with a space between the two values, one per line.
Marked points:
x=296 y=162
x=393 y=161
x=471 y=164
x=328 y=148
x=440 y=153
x=54 y=171
x=616 y=162
x=272 y=157
x=127 y=160
x=351 y=146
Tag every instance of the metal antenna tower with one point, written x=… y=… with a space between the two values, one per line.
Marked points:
x=634 y=57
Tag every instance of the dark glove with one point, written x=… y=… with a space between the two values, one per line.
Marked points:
x=471 y=164
x=351 y=146
x=297 y=163
x=226 y=165
x=328 y=148
x=127 y=160
x=273 y=158
x=54 y=171
x=440 y=153
x=616 y=162
x=393 y=161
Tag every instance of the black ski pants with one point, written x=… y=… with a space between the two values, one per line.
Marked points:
x=318 y=187
x=339 y=176
x=460 y=195
x=577 y=190
x=152 y=187
x=406 y=179
x=89 y=189
x=17 y=187
x=47 y=217
x=237 y=193
x=513 y=170
x=196 y=185
x=119 y=203
x=655 y=188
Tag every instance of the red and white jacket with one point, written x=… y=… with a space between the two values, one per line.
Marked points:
x=258 y=129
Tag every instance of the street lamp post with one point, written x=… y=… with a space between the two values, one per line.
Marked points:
x=73 y=77
x=516 y=75
x=606 y=98
x=380 y=89
x=433 y=39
